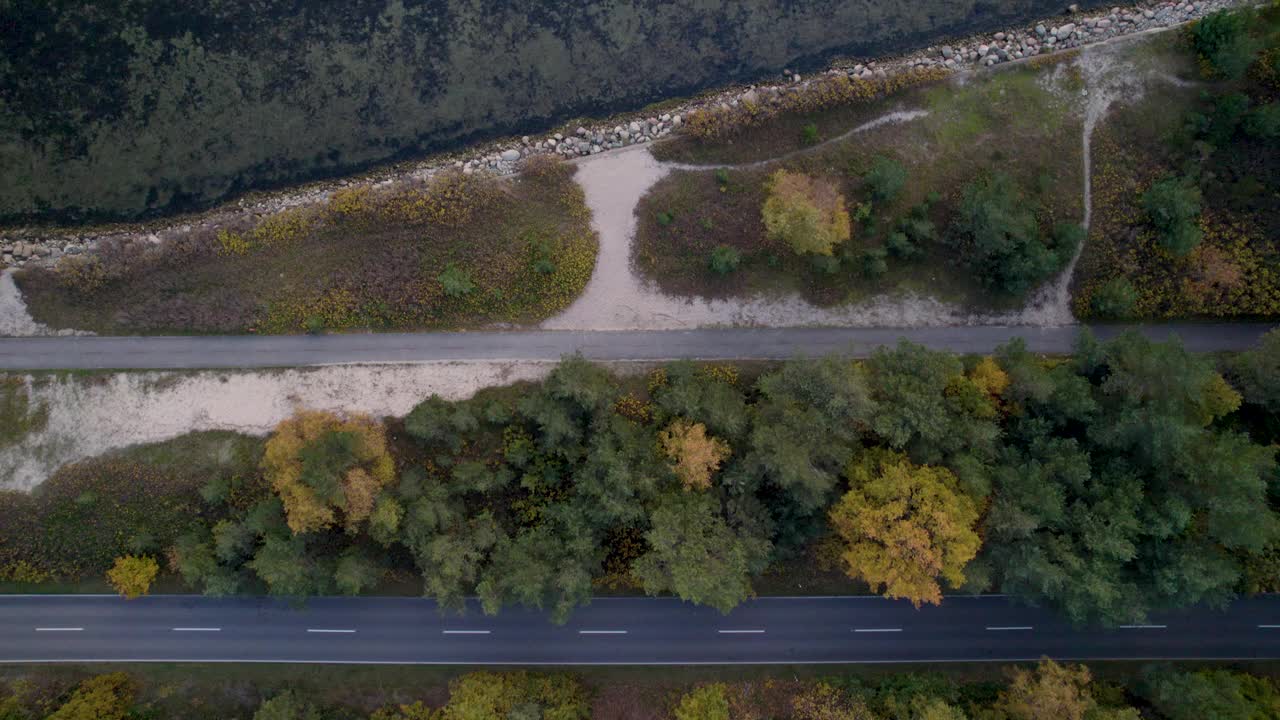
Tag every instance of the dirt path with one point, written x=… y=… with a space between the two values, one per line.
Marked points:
x=897 y=116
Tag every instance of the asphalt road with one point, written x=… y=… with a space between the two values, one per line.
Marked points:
x=622 y=631
x=60 y=353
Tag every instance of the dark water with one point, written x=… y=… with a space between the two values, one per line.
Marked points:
x=140 y=107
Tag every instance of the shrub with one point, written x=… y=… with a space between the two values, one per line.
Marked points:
x=900 y=246
x=809 y=134
x=80 y=274
x=874 y=263
x=997 y=231
x=722 y=177
x=288 y=705
x=1115 y=299
x=665 y=218
x=886 y=178
x=1173 y=207
x=725 y=259
x=709 y=702
x=102 y=697
x=455 y=281
x=807 y=214
x=314 y=325
x=232 y=243
x=132 y=575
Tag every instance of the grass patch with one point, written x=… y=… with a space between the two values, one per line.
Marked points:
x=137 y=500
x=460 y=251
x=1017 y=121
x=1179 y=131
x=18 y=416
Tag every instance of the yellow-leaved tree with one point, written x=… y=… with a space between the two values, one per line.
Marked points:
x=132 y=575
x=327 y=468
x=806 y=213
x=904 y=527
x=695 y=454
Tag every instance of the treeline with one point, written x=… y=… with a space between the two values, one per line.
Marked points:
x=1130 y=477
x=1046 y=691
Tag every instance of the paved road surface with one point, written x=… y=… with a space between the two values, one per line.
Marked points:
x=610 y=631
x=731 y=343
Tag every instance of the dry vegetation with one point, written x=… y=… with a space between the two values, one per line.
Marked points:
x=458 y=251
x=1195 y=134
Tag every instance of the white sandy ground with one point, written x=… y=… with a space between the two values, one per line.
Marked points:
x=15 y=321
x=92 y=414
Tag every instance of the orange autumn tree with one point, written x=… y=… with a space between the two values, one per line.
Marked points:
x=327 y=468
x=696 y=455
x=904 y=527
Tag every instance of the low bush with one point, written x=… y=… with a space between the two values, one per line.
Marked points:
x=1173 y=207
x=725 y=259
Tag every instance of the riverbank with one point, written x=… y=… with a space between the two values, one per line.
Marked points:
x=26 y=244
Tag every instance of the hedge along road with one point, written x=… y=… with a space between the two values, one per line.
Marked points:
x=609 y=631
x=126 y=353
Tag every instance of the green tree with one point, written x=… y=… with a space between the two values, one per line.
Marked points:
x=1222 y=40
x=1257 y=373
x=548 y=567
x=288 y=569
x=925 y=405
x=886 y=178
x=696 y=555
x=708 y=702
x=688 y=394
x=806 y=424
x=1218 y=694
x=997 y=231
x=357 y=570
x=436 y=422
x=1173 y=207
x=451 y=561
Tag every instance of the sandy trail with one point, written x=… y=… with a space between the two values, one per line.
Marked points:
x=616 y=298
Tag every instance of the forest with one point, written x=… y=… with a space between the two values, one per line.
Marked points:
x=1130 y=477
